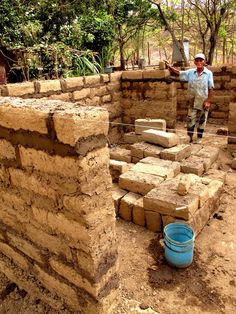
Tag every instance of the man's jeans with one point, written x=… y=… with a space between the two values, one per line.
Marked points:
x=196 y=116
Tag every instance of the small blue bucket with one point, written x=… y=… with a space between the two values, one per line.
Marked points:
x=179 y=244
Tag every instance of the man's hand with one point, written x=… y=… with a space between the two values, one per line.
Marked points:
x=206 y=105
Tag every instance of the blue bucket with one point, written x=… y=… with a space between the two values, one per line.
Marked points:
x=179 y=244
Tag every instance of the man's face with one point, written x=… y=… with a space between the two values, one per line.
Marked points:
x=199 y=63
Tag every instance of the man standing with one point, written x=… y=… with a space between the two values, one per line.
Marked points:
x=200 y=89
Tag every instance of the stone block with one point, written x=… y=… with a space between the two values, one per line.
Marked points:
x=49 y=86
x=184 y=184
x=160 y=138
x=132 y=75
x=138 y=213
x=132 y=138
x=7 y=150
x=117 y=195
x=201 y=190
x=80 y=123
x=176 y=153
x=137 y=150
x=153 y=221
x=168 y=202
x=105 y=78
x=63 y=97
x=166 y=220
x=153 y=169
x=152 y=150
x=117 y=167
x=106 y=98
x=146 y=124
x=120 y=154
x=193 y=164
x=20 y=89
x=139 y=182
x=127 y=205
x=170 y=165
x=156 y=74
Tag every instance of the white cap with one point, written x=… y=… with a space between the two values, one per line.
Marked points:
x=200 y=56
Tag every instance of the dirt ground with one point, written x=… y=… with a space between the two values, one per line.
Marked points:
x=207 y=286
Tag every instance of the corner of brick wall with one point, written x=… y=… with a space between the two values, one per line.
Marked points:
x=57 y=223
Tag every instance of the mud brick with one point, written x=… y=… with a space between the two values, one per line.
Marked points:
x=167 y=202
x=171 y=184
x=17 y=258
x=215 y=188
x=166 y=220
x=233 y=164
x=151 y=74
x=201 y=217
x=92 y=79
x=31 y=183
x=74 y=82
x=56 y=286
x=161 y=138
x=193 y=164
x=137 y=150
x=201 y=190
x=121 y=154
x=156 y=170
x=135 y=160
x=153 y=220
x=138 y=213
x=146 y=124
x=32 y=118
x=4 y=177
x=173 y=165
x=65 y=166
x=50 y=86
x=20 y=89
x=49 y=242
x=132 y=75
x=80 y=123
x=127 y=204
x=138 y=182
x=63 y=97
x=119 y=166
x=26 y=247
x=209 y=152
x=117 y=194
x=184 y=185
x=152 y=150
x=176 y=153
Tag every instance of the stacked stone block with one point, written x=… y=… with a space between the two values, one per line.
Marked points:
x=57 y=222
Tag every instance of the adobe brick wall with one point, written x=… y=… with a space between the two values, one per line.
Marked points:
x=57 y=223
x=224 y=93
x=232 y=127
x=148 y=94
x=95 y=90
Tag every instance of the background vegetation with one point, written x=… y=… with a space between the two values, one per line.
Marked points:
x=75 y=37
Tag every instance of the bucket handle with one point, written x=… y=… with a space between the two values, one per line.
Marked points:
x=184 y=251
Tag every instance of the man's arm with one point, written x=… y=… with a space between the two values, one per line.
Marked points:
x=207 y=102
x=171 y=69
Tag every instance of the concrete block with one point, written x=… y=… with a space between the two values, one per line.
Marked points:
x=168 y=202
x=120 y=154
x=138 y=213
x=7 y=150
x=176 y=153
x=153 y=221
x=160 y=138
x=127 y=205
x=146 y=124
x=138 y=182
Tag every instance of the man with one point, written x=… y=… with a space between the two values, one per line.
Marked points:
x=200 y=89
